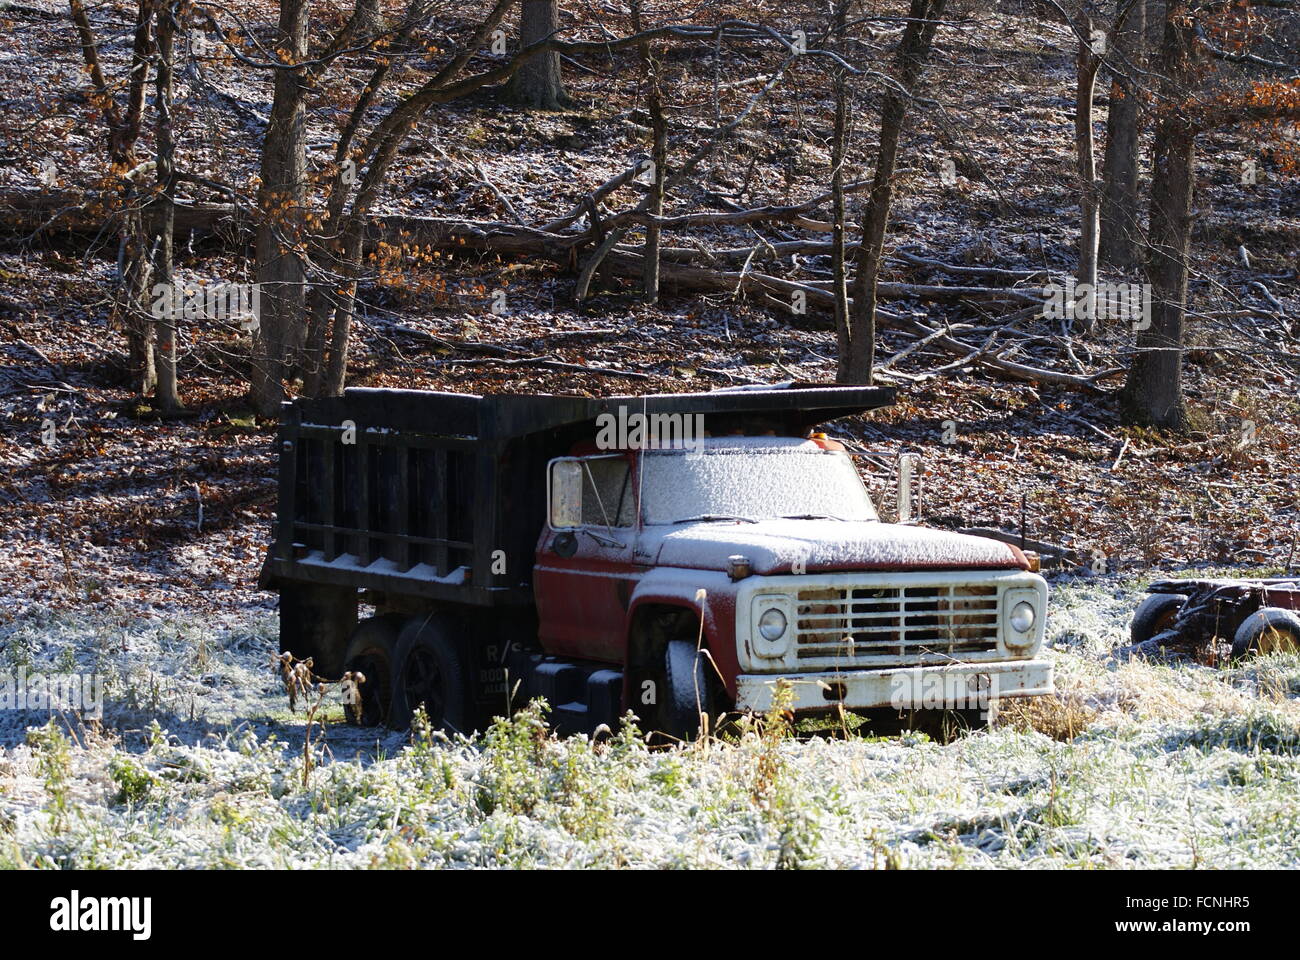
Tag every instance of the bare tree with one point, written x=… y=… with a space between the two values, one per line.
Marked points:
x=1153 y=392
x=123 y=120
x=538 y=83
x=839 y=154
x=658 y=171
x=282 y=193
x=332 y=313
x=1191 y=100
x=164 y=208
x=1091 y=48
x=1120 y=233
x=913 y=52
x=280 y=200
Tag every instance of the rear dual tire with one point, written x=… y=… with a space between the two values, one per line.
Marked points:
x=407 y=664
x=430 y=675
x=371 y=652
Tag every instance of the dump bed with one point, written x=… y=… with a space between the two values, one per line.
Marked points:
x=442 y=495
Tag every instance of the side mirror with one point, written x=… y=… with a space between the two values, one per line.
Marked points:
x=909 y=469
x=564 y=494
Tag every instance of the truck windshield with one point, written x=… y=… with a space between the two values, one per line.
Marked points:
x=755 y=483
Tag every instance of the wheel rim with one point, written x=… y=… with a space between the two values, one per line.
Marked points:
x=1165 y=621
x=1278 y=640
x=423 y=682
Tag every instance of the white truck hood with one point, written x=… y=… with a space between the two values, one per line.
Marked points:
x=772 y=546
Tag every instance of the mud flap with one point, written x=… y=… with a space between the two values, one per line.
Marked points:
x=317 y=621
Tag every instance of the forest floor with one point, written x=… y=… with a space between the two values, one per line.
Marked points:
x=138 y=539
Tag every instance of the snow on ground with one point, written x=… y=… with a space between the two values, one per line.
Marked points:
x=198 y=762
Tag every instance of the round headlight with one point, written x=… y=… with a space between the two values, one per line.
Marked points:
x=772 y=624
x=1022 y=617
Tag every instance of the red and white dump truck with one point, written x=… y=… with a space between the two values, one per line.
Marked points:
x=670 y=555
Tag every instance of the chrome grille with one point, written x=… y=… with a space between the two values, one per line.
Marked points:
x=880 y=624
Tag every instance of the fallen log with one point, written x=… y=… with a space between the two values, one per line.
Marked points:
x=550 y=364
x=52 y=212
x=689 y=279
x=47 y=212
x=30 y=214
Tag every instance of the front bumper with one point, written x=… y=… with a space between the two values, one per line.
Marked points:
x=951 y=686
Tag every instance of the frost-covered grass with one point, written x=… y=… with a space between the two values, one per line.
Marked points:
x=1140 y=765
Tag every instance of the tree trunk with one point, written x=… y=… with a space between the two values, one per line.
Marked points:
x=539 y=84
x=1154 y=35
x=164 y=213
x=839 y=150
x=913 y=51
x=659 y=161
x=336 y=369
x=1087 y=63
x=123 y=131
x=1153 y=393
x=134 y=273
x=320 y=309
x=1120 y=223
x=280 y=273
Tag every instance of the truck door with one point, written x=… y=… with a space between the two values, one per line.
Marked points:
x=583 y=577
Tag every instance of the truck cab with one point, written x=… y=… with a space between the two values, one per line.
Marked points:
x=768 y=559
x=680 y=557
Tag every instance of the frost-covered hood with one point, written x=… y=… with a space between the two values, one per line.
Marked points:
x=772 y=546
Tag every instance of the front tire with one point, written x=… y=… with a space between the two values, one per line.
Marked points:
x=1267 y=630
x=687 y=692
x=430 y=674
x=1154 y=615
